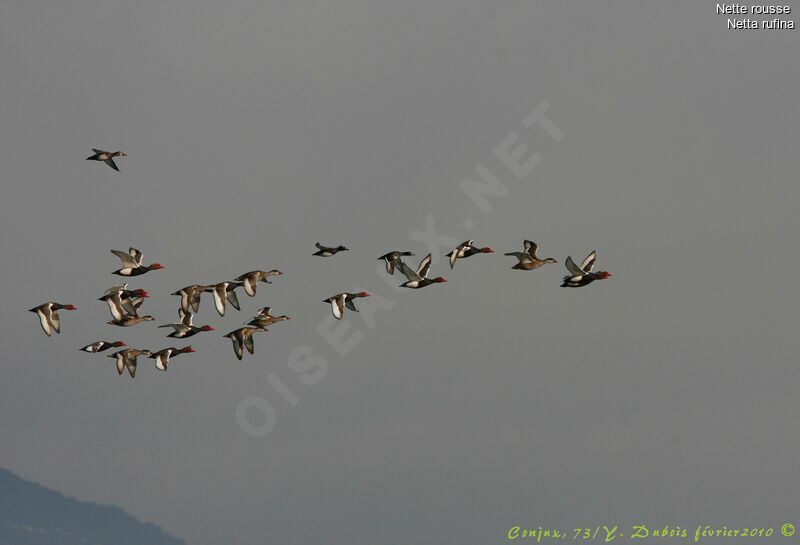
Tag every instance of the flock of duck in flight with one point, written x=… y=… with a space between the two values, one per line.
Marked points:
x=124 y=303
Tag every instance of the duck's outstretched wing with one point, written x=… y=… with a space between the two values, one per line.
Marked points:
x=531 y=248
x=588 y=263
x=55 y=321
x=407 y=271
x=136 y=255
x=128 y=261
x=573 y=268
x=233 y=299
x=44 y=320
x=120 y=363
x=250 y=284
x=162 y=360
x=186 y=317
x=249 y=343
x=235 y=337
x=424 y=267
x=219 y=298
x=337 y=306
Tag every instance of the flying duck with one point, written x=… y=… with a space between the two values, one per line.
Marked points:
x=127 y=359
x=243 y=337
x=327 y=251
x=132 y=263
x=48 y=316
x=185 y=328
x=419 y=278
x=225 y=291
x=190 y=296
x=124 y=293
x=528 y=259
x=252 y=278
x=466 y=249
x=341 y=300
x=391 y=259
x=128 y=321
x=100 y=346
x=162 y=356
x=107 y=157
x=124 y=302
x=265 y=318
x=583 y=275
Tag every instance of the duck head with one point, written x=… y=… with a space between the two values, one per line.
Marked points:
x=439 y=279
x=487 y=250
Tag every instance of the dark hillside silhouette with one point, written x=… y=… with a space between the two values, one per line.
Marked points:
x=31 y=514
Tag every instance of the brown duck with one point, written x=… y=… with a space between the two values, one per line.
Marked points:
x=528 y=259
x=252 y=278
x=107 y=157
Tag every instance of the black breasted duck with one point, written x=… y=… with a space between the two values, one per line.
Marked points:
x=132 y=263
x=391 y=259
x=100 y=346
x=243 y=337
x=124 y=302
x=107 y=157
x=466 y=249
x=583 y=275
x=341 y=300
x=528 y=259
x=124 y=293
x=252 y=278
x=419 y=278
x=48 y=316
x=185 y=328
x=162 y=356
x=327 y=251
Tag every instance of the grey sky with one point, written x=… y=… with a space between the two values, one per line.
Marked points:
x=255 y=128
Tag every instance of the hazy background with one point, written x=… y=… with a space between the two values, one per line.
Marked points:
x=667 y=394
